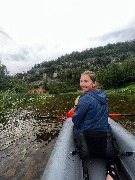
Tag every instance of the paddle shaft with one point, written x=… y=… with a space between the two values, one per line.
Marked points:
x=117 y=115
x=62 y=117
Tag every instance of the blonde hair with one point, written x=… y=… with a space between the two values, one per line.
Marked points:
x=91 y=75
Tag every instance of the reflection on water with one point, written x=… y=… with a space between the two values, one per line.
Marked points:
x=23 y=143
x=26 y=141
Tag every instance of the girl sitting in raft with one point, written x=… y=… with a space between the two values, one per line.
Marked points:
x=90 y=119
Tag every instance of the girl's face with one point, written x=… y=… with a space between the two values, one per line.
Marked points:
x=86 y=83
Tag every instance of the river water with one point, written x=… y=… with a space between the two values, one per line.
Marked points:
x=26 y=139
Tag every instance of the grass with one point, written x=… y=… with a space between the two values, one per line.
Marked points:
x=10 y=100
x=125 y=90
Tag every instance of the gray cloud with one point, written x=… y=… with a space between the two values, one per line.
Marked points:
x=5 y=39
x=22 y=58
x=121 y=35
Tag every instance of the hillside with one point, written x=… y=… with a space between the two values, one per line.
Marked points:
x=74 y=63
x=114 y=64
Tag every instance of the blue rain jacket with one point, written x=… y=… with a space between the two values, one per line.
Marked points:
x=91 y=112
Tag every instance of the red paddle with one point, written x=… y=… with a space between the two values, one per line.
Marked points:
x=63 y=117
x=113 y=115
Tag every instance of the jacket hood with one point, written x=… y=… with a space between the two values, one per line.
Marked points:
x=99 y=94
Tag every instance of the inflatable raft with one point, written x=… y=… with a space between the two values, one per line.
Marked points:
x=62 y=165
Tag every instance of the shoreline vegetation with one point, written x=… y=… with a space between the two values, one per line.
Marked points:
x=11 y=100
x=114 y=65
x=125 y=90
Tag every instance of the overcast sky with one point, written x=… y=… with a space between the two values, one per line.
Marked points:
x=33 y=31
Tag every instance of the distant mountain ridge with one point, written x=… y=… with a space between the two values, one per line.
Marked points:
x=113 y=63
x=70 y=66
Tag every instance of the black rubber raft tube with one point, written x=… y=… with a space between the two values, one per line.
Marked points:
x=63 y=166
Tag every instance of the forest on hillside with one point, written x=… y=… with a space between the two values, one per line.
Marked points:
x=113 y=63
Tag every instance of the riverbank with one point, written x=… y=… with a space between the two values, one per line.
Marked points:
x=10 y=101
x=125 y=90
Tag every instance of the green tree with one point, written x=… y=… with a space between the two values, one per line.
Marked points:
x=3 y=77
x=111 y=77
x=118 y=74
x=128 y=71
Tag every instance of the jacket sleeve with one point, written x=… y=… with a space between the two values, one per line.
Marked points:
x=81 y=110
